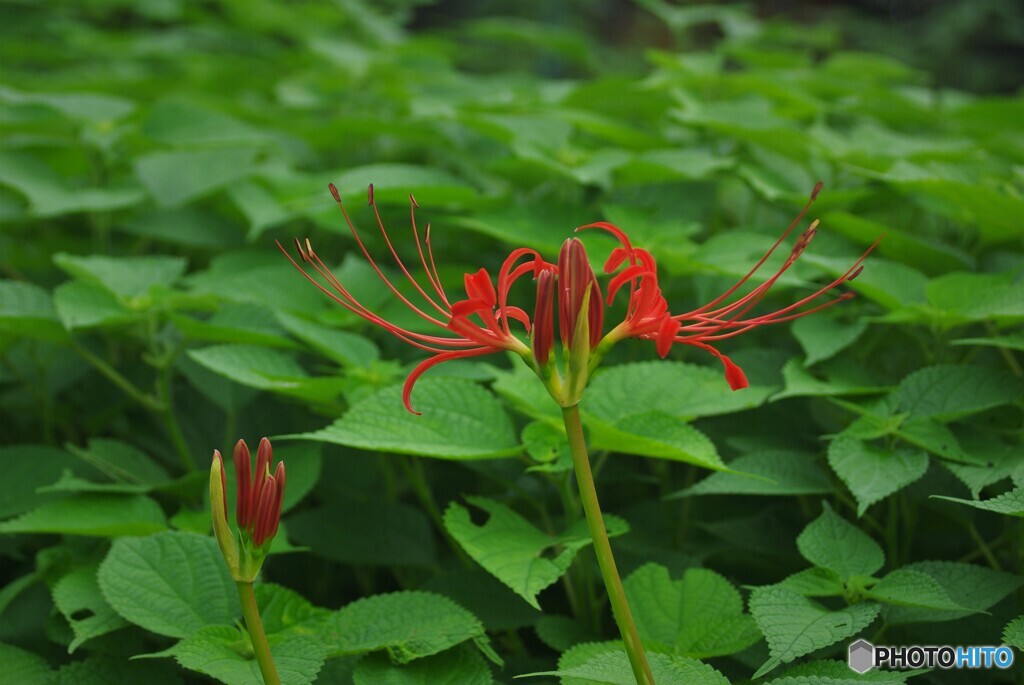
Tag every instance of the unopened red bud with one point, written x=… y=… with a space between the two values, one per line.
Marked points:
x=543 y=317
x=265 y=512
x=243 y=484
x=263 y=456
x=574 y=278
x=279 y=478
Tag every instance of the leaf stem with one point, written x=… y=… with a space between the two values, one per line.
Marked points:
x=254 y=624
x=416 y=474
x=115 y=377
x=603 y=548
x=164 y=382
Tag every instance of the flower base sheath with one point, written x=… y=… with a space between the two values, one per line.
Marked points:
x=480 y=324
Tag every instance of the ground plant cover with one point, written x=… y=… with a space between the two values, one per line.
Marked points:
x=799 y=438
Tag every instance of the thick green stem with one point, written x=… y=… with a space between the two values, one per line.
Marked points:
x=603 y=548
x=259 y=639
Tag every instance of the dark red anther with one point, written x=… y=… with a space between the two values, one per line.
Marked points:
x=412 y=201
x=334 y=192
x=243 y=484
x=855 y=273
x=369 y=195
x=817 y=189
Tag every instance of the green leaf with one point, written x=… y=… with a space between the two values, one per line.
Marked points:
x=104 y=515
x=514 y=551
x=22 y=667
x=775 y=472
x=967 y=297
x=561 y=633
x=236 y=323
x=460 y=420
x=170 y=583
x=1013 y=633
x=176 y=122
x=87 y=107
x=285 y=611
x=656 y=434
x=114 y=670
x=974 y=588
x=87 y=305
x=174 y=178
x=497 y=607
x=676 y=389
x=126 y=277
x=845 y=380
x=1011 y=341
x=948 y=391
x=794 y=625
x=872 y=474
x=613 y=668
x=699 y=616
x=121 y=462
x=267 y=369
x=48 y=195
x=1010 y=503
x=27 y=310
x=223 y=652
x=187 y=226
x=906 y=587
x=836 y=673
x=408 y=625
x=454 y=667
x=362 y=525
x=27 y=468
x=824 y=337
x=348 y=349
x=831 y=542
x=395 y=182
x=259 y=206
x=77 y=596
x=814 y=582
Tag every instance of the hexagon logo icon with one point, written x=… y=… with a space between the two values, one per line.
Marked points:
x=862 y=656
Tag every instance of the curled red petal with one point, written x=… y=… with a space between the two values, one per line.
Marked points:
x=615 y=259
x=430 y=363
x=464 y=308
x=613 y=229
x=479 y=287
x=666 y=335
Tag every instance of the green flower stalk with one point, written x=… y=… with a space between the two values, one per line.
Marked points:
x=258 y=500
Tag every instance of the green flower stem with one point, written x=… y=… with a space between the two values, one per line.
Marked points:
x=256 y=634
x=603 y=548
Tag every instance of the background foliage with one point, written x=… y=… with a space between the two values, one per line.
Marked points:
x=152 y=151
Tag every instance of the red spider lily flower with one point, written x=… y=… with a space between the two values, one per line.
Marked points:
x=480 y=323
x=647 y=312
x=258 y=500
x=475 y=326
